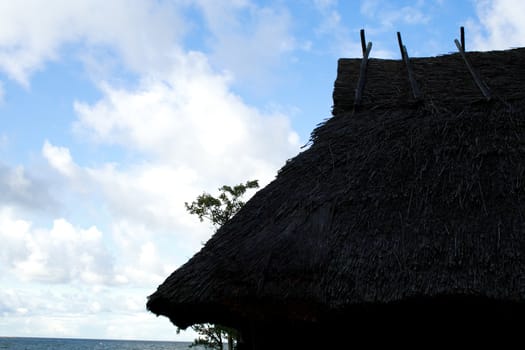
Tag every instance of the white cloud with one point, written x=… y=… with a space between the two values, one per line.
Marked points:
x=60 y=254
x=369 y=7
x=144 y=34
x=190 y=112
x=409 y=15
x=325 y=4
x=59 y=158
x=70 y=299
x=193 y=134
x=344 y=42
x=190 y=134
x=16 y=180
x=65 y=254
x=33 y=31
x=331 y=26
x=187 y=132
x=145 y=259
x=500 y=24
x=20 y=188
x=247 y=40
x=82 y=312
x=13 y=234
x=131 y=326
x=389 y=15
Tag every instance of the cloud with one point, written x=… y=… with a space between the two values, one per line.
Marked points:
x=186 y=133
x=70 y=299
x=131 y=326
x=332 y=27
x=2 y=100
x=59 y=158
x=181 y=126
x=82 y=312
x=343 y=41
x=247 y=40
x=23 y=189
x=389 y=15
x=500 y=24
x=189 y=112
x=60 y=254
x=325 y=4
x=33 y=32
x=190 y=134
x=188 y=130
x=13 y=234
x=191 y=127
x=142 y=34
x=65 y=254
x=146 y=255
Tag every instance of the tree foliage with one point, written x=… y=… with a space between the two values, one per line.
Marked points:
x=218 y=210
x=210 y=336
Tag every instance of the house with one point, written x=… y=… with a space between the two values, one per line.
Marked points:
x=402 y=212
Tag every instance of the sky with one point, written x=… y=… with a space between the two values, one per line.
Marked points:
x=113 y=114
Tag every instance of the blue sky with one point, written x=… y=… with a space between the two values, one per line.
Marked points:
x=115 y=113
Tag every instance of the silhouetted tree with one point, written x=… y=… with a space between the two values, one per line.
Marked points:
x=218 y=210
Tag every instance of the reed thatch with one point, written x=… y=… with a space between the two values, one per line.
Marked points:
x=393 y=202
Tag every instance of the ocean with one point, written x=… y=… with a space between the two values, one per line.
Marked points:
x=88 y=344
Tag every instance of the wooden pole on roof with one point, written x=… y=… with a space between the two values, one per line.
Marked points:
x=462 y=34
x=477 y=79
x=404 y=55
x=400 y=42
x=362 y=71
x=363 y=41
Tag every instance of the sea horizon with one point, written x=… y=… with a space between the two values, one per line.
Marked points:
x=70 y=343
x=82 y=338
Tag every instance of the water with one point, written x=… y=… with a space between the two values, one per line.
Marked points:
x=88 y=344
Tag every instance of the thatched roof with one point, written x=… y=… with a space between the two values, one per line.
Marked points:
x=392 y=202
x=444 y=80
